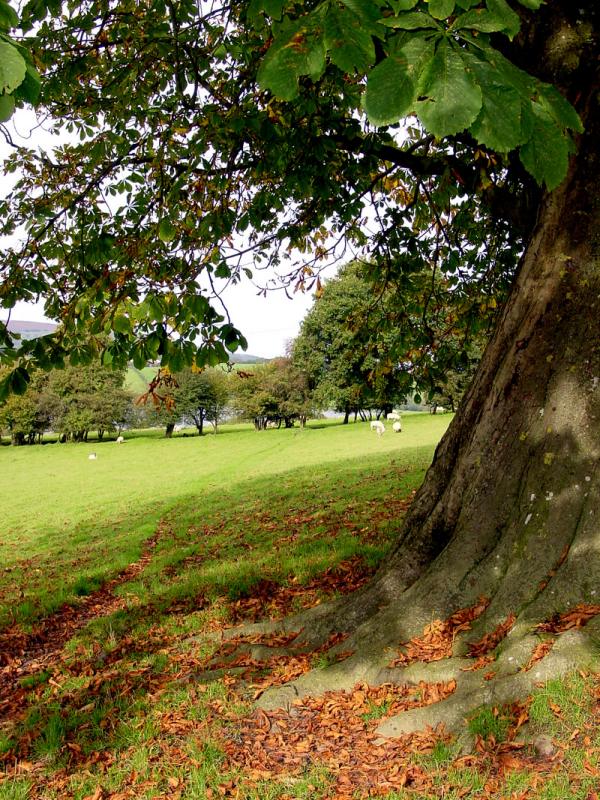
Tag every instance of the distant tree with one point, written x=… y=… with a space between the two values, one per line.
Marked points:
x=344 y=349
x=201 y=396
x=370 y=341
x=276 y=392
x=84 y=398
x=22 y=417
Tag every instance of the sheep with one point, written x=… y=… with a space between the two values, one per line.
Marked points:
x=397 y=427
x=393 y=415
x=120 y=439
x=378 y=427
x=92 y=456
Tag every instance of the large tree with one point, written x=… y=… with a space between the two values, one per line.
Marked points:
x=275 y=128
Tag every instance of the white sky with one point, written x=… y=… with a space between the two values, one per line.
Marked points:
x=268 y=323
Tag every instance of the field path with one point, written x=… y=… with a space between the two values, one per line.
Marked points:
x=23 y=654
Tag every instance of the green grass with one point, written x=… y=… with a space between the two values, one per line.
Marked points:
x=69 y=523
x=232 y=511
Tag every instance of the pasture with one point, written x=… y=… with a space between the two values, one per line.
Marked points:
x=70 y=523
x=120 y=577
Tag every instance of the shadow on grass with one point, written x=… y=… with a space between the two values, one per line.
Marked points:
x=216 y=550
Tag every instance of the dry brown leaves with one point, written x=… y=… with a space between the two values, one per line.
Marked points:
x=282 y=668
x=438 y=637
x=337 y=730
x=491 y=640
x=25 y=654
x=271 y=599
x=575 y=618
x=540 y=651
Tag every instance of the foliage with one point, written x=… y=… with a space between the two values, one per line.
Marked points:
x=201 y=396
x=274 y=392
x=369 y=344
x=19 y=79
x=217 y=141
x=71 y=402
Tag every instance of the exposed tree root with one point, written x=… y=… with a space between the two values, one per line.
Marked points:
x=495 y=652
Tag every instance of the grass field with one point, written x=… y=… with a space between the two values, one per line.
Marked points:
x=157 y=546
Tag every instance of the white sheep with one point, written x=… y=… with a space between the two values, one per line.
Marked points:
x=378 y=427
x=92 y=456
x=397 y=427
x=394 y=415
x=120 y=439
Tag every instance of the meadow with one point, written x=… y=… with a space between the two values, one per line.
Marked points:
x=120 y=575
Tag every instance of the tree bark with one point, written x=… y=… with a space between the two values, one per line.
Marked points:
x=509 y=506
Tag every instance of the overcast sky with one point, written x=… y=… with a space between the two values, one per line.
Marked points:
x=267 y=322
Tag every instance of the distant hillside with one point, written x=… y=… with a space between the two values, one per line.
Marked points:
x=247 y=358
x=31 y=330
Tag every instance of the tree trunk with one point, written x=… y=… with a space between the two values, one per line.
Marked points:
x=169 y=430
x=509 y=507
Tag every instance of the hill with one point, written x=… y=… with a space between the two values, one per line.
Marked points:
x=31 y=330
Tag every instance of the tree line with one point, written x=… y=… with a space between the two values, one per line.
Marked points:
x=348 y=357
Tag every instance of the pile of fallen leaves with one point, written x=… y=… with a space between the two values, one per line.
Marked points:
x=337 y=730
x=579 y=616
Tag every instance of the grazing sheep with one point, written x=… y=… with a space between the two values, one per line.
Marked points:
x=92 y=456
x=397 y=427
x=393 y=415
x=378 y=427
x=120 y=439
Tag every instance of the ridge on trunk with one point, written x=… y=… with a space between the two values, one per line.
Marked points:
x=508 y=510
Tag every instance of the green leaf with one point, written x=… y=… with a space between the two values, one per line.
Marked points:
x=479 y=19
x=392 y=85
x=452 y=98
x=349 y=44
x=139 y=355
x=12 y=67
x=19 y=380
x=402 y=5
x=166 y=230
x=367 y=10
x=559 y=108
x=411 y=21
x=7 y=107
x=510 y=20
x=441 y=9
x=121 y=324
x=297 y=52
x=29 y=89
x=534 y=5
x=467 y=4
x=546 y=154
x=498 y=125
x=8 y=16
x=273 y=8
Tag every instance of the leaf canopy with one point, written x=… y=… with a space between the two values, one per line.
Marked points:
x=208 y=143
